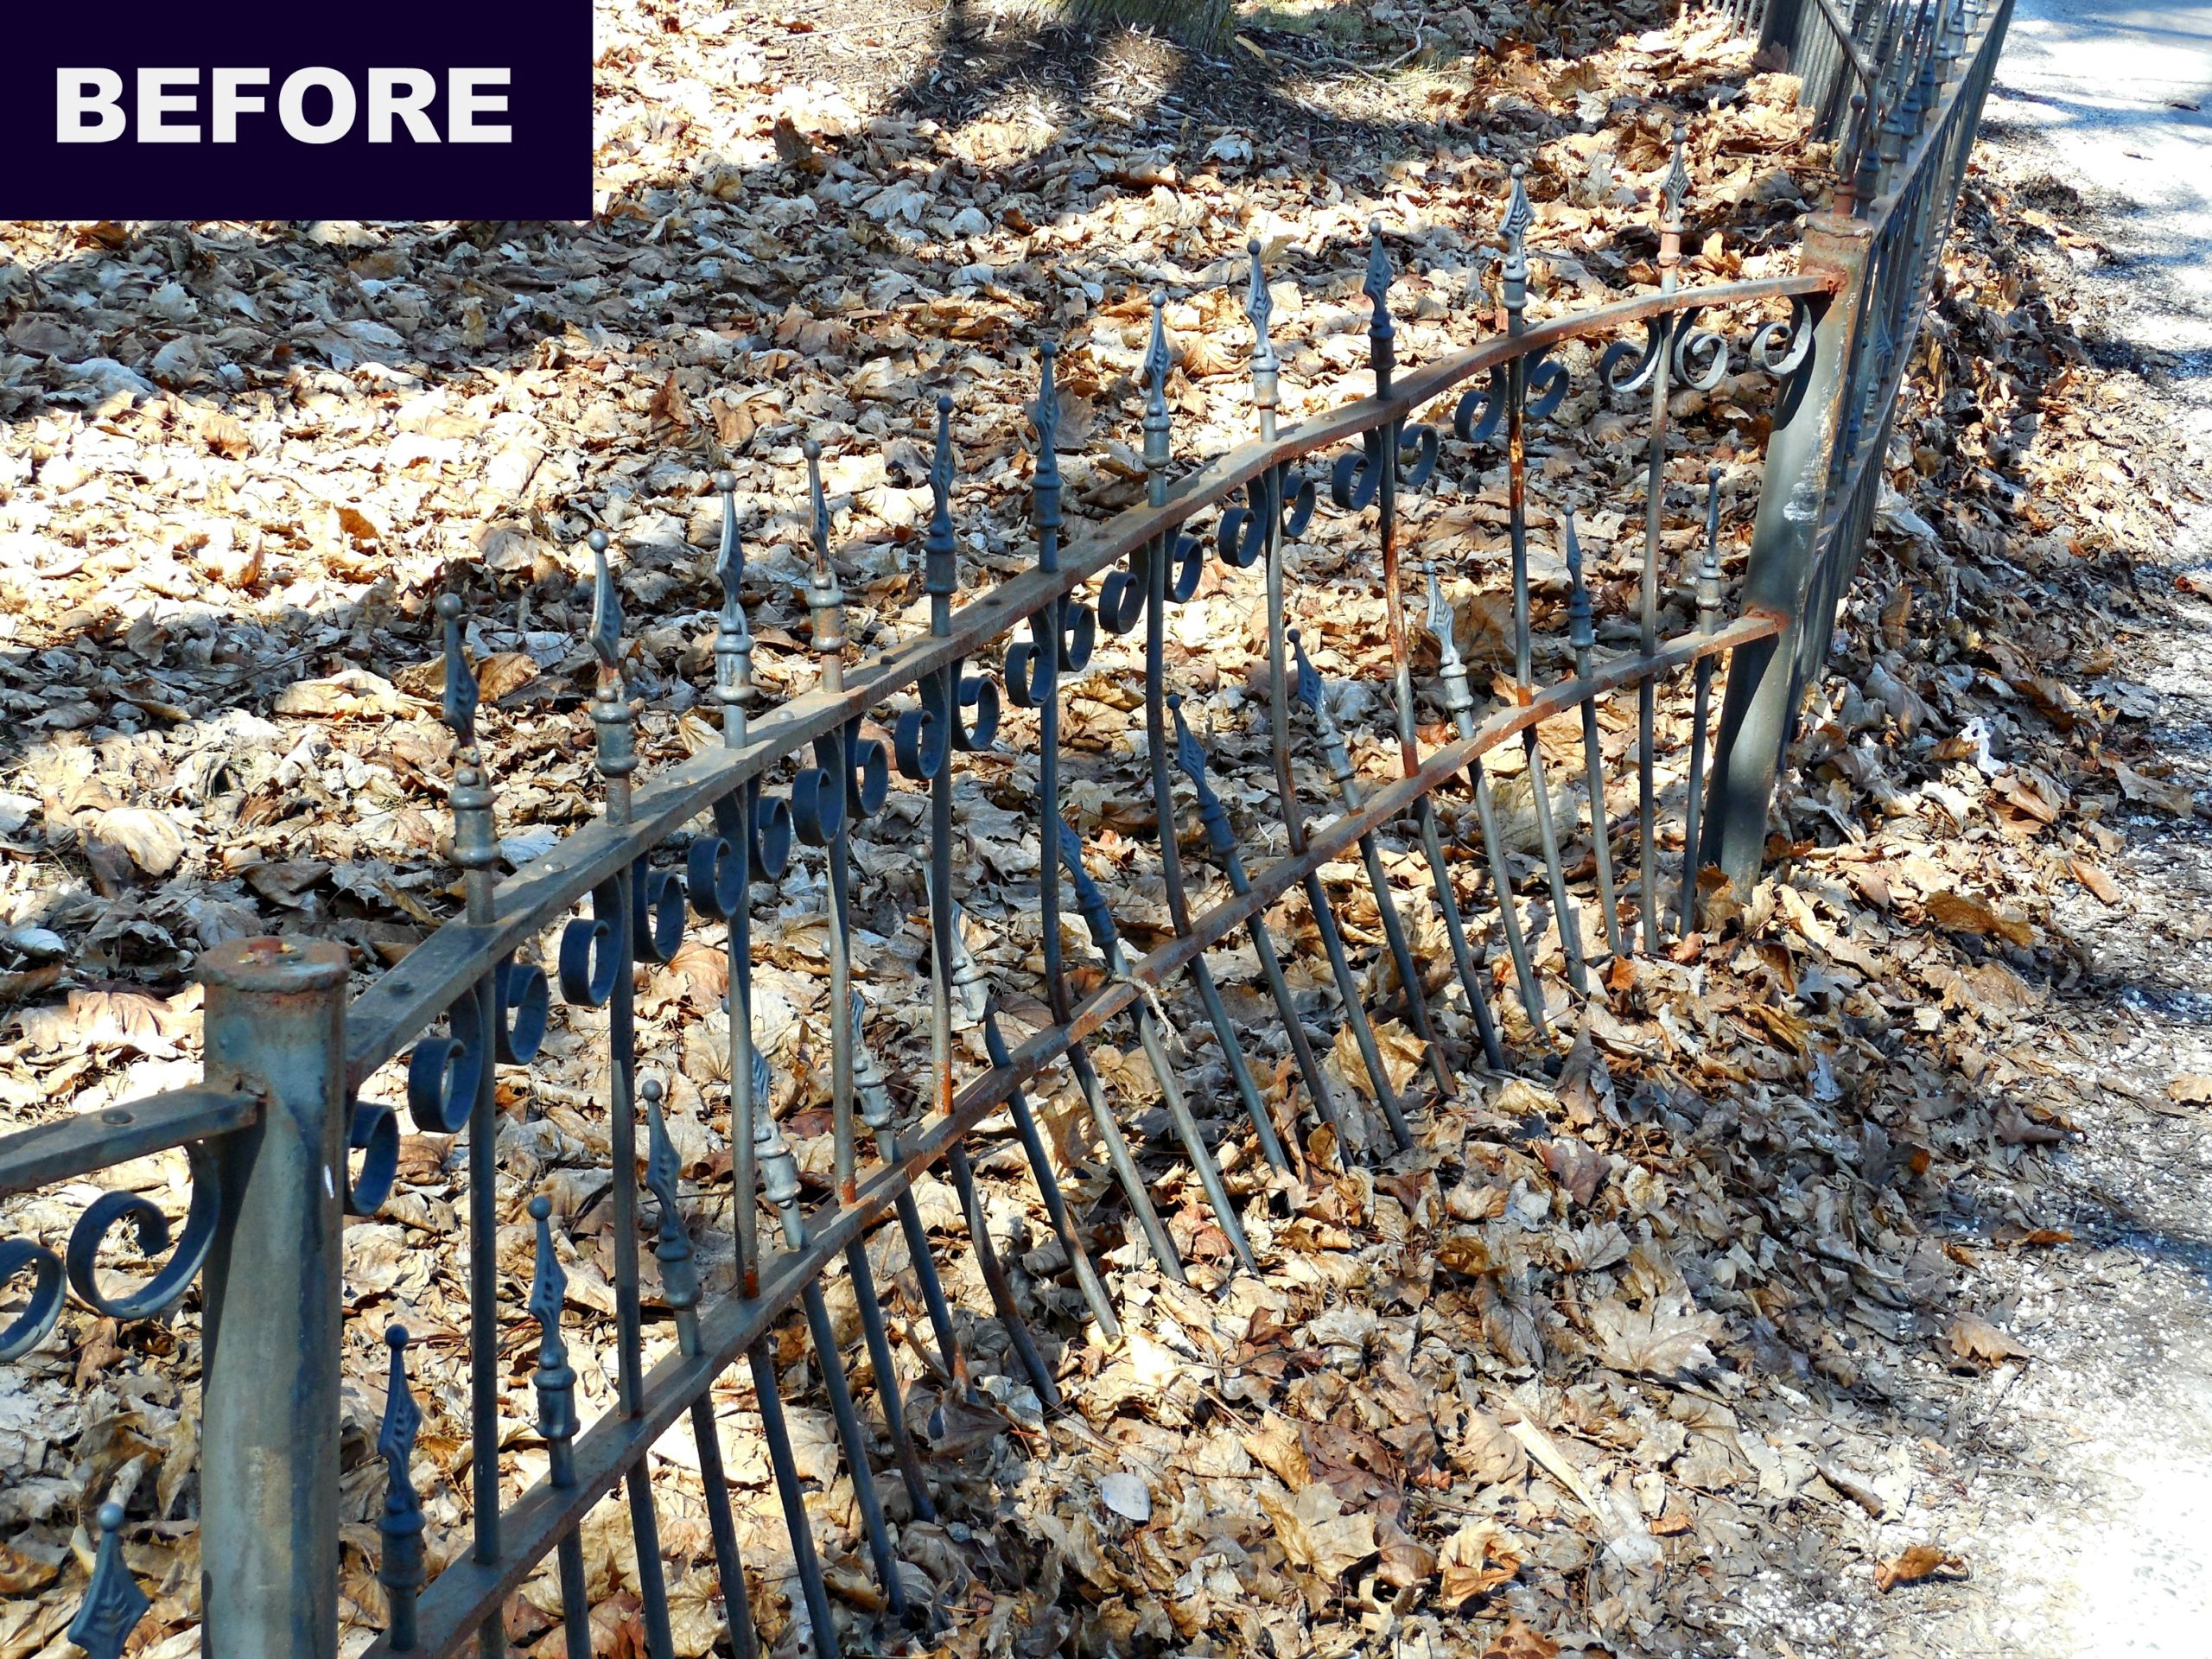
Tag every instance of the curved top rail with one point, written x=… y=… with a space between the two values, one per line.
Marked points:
x=388 y=1013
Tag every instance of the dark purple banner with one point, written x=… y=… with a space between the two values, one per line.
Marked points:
x=463 y=109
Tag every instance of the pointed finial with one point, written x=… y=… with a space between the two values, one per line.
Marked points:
x=1676 y=186
x=1452 y=668
x=1708 y=571
x=113 y=1602
x=1259 y=304
x=870 y=1088
x=941 y=545
x=1213 y=815
x=1376 y=286
x=825 y=600
x=1266 y=367
x=401 y=1571
x=734 y=637
x=555 y=1379
x=679 y=1280
x=1519 y=216
x=818 y=506
x=1581 y=635
x=1306 y=684
x=1097 y=915
x=778 y=1169
x=1157 y=422
x=1045 y=484
x=462 y=694
x=606 y=607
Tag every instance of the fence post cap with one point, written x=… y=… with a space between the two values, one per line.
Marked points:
x=274 y=966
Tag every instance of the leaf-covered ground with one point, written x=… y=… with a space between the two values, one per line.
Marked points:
x=1649 y=1354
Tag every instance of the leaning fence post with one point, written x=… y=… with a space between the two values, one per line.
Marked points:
x=275 y=1021
x=1755 y=714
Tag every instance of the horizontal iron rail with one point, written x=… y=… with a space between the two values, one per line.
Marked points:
x=467 y=1592
x=92 y=1141
x=388 y=1015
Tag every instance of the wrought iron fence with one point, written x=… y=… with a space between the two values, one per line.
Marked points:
x=287 y=1055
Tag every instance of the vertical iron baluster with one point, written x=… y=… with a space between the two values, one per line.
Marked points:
x=476 y=850
x=618 y=758
x=1160 y=562
x=1708 y=619
x=1268 y=503
x=779 y=1176
x=1514 y=275
x=874 y=1096
x=113 y=1603
x=1581 y=637
x=555 y=1383
x=1061 y=636
x=1382 y=344
x=927 y=741
x=856 y=767
x=1671 y=191
x=760 y=841
x=1454 y=675
x=813 y=1593
x=1213 y=816
x=1338 y=759
x=970 y=993
x=401 y=1570
x=1099 y=919
x=679 y=1283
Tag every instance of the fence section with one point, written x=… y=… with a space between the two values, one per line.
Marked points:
x=270 y=1132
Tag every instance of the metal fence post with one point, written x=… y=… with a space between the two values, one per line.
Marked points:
x=1755 y=714
x=276 y=1020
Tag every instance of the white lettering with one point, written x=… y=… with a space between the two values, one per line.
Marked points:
x=406 y=94
x=227 y=103
x=467 y=103
x=81 y=93
x=154 y=101
x=291 y=105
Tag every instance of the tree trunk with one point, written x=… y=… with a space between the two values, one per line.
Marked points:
x=1201 y=23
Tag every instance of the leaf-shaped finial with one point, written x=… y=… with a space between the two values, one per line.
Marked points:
x=1676 y=186
x=1157 y=421
x=729 y=559
x=1519 y=216
x=1259 y=305
x=764 y=1077
x=555 y=1379
x=113 y=1602
x=679 y=1282
x=606 y=608
x=1579 y=633
x=1305 y=686
x=940 y=544
x=1047 y=415
x=1188 y=754
x=461 y=695
x=818 y=506
x=1445 y=626
x=1097 y=915
x=1376 y=286
x=401 y=1571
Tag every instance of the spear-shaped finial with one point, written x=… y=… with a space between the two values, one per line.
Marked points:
x=1452 y=668
x=778 y=1172
x=679 y=1276
x=1045 y=484
x=1097 y=914
x=476 y=840
x=870 y=1088
x=610 y=705
x=940 y=572
x=401 y=1571
x=1308 y=688
x=556 y=1380
x=1581 y=634
x=1266 y=367
x=1157 y=422
x=462 y=694
x=1376 y=284
x=1675 y=188
x=113 y=1602
x=734 y=636
x=825 y=600
x=1213 y=815
x=1519 y=216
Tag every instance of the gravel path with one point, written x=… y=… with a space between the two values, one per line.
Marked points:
x=2084 y=1497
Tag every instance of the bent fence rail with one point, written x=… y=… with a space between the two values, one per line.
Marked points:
x=287 y=1056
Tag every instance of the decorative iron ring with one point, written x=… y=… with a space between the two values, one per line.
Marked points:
x=1241 y=537
x=29 y=1327
x=657 y=902
x=372 y=1129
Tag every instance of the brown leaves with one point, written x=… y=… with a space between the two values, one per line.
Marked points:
x=1666 y=1338
x=1918 y=1563
x=1315 y=1533
x=1519 y=1641
x=1965 y=915
x=1977 y=1340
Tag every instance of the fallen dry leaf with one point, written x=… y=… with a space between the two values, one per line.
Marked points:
x=1920 y=1561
